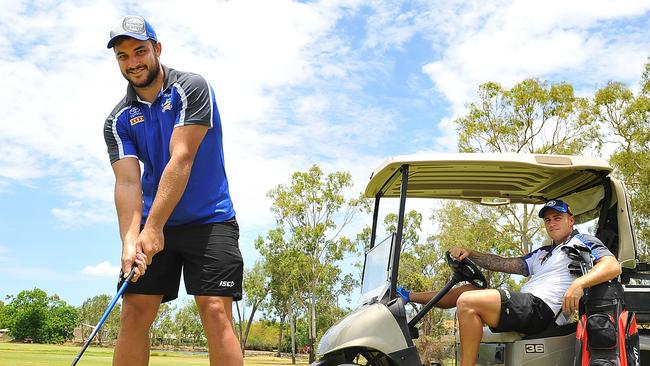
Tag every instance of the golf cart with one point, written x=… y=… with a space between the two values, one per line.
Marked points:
x=378 y=331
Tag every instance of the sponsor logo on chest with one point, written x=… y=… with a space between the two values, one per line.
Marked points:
x=136 y=116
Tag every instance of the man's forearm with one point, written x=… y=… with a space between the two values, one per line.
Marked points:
x=497 y=263
x=128 y=203
x=172 y=186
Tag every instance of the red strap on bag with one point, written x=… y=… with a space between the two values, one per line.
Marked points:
x=582 y=351
x=622 y=335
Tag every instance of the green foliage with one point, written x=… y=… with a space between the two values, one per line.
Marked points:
x=627 y=116
x=33 y=315
x=256 y=288
x=188 y=324
x=92 y=310
x=304 y=249
x=164 y=325
x=263 y=336
x=531 y=117
x=412 y=225
x=468 y=225
x=4 y=322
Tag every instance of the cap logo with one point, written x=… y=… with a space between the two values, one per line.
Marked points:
x=550 y=203
x=133 y=25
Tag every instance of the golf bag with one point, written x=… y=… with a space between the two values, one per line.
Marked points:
x=607 y=333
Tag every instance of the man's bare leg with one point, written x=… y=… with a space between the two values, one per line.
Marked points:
x=447 y=302
x=138 y=312
x=474 y=309
x=216 y=316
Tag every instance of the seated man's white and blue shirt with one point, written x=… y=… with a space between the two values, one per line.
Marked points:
x=548 y=270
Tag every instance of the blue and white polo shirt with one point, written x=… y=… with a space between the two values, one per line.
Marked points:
x=548 y=269
x=142 y=130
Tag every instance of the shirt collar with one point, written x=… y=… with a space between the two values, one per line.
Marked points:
x=573 y=233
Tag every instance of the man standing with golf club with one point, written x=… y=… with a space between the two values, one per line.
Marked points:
x=178 y=214
x=552 y=287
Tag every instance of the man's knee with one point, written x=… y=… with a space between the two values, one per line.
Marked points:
x=484 y=303
x=139 y=309
x=467 y=302
x=215 y=308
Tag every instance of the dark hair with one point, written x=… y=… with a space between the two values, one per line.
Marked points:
x=121 y=38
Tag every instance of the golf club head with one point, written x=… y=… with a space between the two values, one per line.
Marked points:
x=581 y=248
x=568 y=249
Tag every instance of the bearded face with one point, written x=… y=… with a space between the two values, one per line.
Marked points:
x=138 y=60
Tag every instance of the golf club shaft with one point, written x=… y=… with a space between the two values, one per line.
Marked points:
x=106 y=313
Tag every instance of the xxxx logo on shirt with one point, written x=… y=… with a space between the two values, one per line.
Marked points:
x=136 y=116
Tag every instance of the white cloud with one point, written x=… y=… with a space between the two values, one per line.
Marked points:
x=103 y=269
x=79 y=213
x=289 y=83
x=255 y=53
x=508 y=41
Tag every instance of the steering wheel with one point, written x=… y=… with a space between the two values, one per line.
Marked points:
x=466 y=270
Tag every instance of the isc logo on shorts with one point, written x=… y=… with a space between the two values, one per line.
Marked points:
x=227 y=283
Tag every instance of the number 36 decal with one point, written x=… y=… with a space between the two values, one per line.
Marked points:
x=534 y=348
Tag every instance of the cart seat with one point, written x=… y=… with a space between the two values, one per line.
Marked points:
x=510 y=337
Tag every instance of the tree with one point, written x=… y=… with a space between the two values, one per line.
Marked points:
x=626 y=115
x=92 y=310
x=32 y=315
x=284 y=264
x=531 y=117
x=314 y=210
x=188 y=324
x=466 y=224
x=3 y=318
x=256 y=288
x=164 y=324
x=412 y=225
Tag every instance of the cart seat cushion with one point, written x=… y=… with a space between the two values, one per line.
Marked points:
x=509 y=337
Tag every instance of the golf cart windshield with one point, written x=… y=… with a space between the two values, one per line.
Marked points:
x=376 y=272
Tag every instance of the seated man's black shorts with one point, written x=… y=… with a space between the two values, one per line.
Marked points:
x=523 y=312
x=209 y=257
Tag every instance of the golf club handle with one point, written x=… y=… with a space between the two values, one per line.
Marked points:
x=101 y=321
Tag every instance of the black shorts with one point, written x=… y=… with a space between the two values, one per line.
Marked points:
x=523 y=312
x=209 y=257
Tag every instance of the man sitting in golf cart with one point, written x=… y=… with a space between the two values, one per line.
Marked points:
x=551 y=289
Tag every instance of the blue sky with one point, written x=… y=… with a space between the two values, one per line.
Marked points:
x=342 y=84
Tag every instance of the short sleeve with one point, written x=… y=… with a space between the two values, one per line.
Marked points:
x=597 y=248
x=197 y=102
x=535 y=257
x=117 y=138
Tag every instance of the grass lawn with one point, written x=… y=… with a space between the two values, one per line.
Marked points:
x=19 y=354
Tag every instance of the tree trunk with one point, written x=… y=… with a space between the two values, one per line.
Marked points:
x=292 y=325
x=280 y=336
x=241 y=324
x=248 y=327
x=312 y=327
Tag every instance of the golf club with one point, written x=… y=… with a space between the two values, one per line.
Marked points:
x=106 y=313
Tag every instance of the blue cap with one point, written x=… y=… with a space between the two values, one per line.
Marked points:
x=133 y=26
x=557 y=205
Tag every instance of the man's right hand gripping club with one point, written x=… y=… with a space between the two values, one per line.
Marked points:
x=130 y=256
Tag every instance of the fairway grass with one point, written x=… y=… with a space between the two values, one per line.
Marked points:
x=19 y=354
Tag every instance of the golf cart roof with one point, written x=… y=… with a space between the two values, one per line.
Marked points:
x=488 y=178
